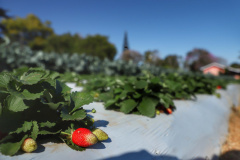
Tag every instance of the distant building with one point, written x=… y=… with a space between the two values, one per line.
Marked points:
x=217 y=68
x=125 y=42
x=234 y=71
x=213 y=68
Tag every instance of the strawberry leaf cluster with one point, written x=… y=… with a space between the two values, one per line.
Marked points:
x=33 y=103
x=143 y=94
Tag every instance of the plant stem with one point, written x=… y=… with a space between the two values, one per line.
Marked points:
x=65 y=133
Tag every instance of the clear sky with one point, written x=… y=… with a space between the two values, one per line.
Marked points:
x=169 y=26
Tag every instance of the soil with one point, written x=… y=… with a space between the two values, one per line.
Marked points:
x=231 y=148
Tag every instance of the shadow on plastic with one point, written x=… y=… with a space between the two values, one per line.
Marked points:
x=144 y=155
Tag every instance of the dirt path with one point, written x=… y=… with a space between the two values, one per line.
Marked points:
x=231 y=148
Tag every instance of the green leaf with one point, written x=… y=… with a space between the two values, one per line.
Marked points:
x=31 y=96
x=127 y=105
x=3 y=96
x=109 y=103
x=7 y=138
x=53 y=75
x=105 y=96
x=1 y=108
x=117 y=90
x=141 y=84
x=147 y=106
x=155 y=80
x=137 y=95
x=13 y=88
x=77 y=115
x=31 y=78
x=72 y=145
x=35 y=130
x=11 y=148
x=15 y=103
x=47 y=124
x=166 y=101
x=20 y=71
x=53 y=106
x=44 y=132
x=62 y=88
x=4 y=80
x=123 y=95
x=128 y=88
x=78 y=99
x=25 y=127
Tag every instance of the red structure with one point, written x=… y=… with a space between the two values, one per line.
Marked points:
x=213 y=68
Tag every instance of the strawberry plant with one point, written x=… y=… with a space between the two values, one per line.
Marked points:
x=148 y=94
x=139 y=95
x=34 y=104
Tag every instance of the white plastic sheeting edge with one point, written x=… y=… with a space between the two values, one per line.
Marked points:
x=196 y=130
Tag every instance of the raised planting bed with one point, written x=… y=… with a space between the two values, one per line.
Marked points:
x=196 y=129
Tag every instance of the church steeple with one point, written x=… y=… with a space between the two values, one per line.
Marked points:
x=125 y=42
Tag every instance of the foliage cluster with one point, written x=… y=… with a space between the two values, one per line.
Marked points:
x=39 y=35
x=35 y=104
x=143 y=94
x=14 y=56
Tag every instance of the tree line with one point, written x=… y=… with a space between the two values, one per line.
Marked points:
x=40 y=35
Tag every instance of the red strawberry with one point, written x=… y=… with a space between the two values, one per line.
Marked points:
x=219 y=87
x=169 y=111
x=83 y=137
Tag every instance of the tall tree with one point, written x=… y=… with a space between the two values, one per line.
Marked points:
x=197 y=58
x=30 y=30
x=65 y=43
x=151 y=57
x=171 y=61
x=99 y=46
x=3 y=15
x=128 y=55
x=235 y=65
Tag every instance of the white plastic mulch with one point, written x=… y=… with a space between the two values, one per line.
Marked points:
x=196 y=130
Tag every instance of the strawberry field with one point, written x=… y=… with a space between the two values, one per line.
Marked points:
x=148 y=109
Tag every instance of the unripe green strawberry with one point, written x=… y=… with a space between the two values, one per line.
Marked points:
x=83 y=137
x=157 y=112
x=101 y=135
x=29 y=145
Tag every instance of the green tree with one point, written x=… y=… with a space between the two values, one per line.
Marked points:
x=30 y=30
x=3 y=14
x=99 y=46
x=151 y=57
x=197 y=58
x=128 y=55
x=235 y=65
x=65 y=43
x=171 y=61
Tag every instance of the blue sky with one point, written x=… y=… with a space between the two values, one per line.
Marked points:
x=169 y=26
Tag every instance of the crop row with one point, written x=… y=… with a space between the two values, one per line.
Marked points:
x=147 y=94
x=15 y=55
x=36 y=103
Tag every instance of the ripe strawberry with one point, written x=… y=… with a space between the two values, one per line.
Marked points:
x=219 y=87
x=29 y=145
x=83 y=137
x=169 y=111
x=101 y=135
